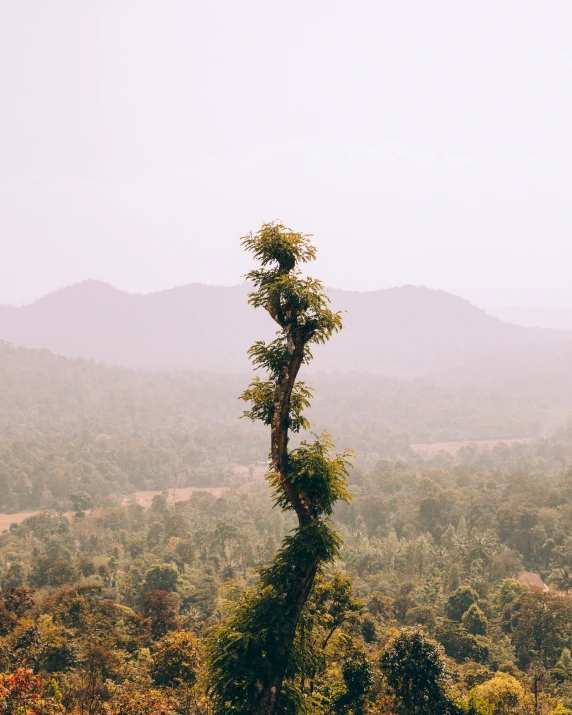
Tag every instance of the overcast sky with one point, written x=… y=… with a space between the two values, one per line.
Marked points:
x=420 y=142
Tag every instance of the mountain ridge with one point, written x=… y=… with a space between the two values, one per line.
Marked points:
x=406 y=330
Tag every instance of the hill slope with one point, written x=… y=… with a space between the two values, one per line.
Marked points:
x=41 y=393
x=68 y=424
x=399 y=331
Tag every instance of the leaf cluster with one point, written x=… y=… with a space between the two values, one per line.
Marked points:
x=319 y=477
x=274 y=243
x=262 y=395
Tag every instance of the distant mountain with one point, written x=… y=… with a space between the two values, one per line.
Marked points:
x=399 y=331
x=553 y=318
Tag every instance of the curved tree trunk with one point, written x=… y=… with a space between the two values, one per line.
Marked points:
x=300 y=592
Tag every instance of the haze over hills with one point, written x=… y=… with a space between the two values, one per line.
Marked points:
x=42 y=393
x=409 y=330
x=69 y=423
x=535 y=317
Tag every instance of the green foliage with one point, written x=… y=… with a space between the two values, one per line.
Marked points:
x=562 y=671
x=261 y=394
x=161 y=577
x=82 y=630
x=294 y=302
x=475 y=621
x=121 y=592
x=333 y=598
x=509 y=592
x=73 y=425
x=274 y=243
x=319 y=477
x=274 y=357
x=177 y=659
x=414 y=669
x=460 y=601
x=562 y=579
x=459 y=643
x=476 y=705
x=249 y=643
x=561 y=710
x=358 y=675
x=81 y=501
x=49 y=571
x=540 y=627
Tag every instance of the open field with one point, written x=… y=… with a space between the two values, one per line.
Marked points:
x=7 y=519
x=144 y=498
x=453 y=447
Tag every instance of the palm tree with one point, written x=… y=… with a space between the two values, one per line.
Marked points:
x=562 y=579
x=482 y=546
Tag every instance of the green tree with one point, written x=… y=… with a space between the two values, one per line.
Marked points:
x=540 y=626
x=177 y=659
x=334 y=598
x=562 y=671
x=52 y=572
x=254 y=652
x=459 y=643
x=460 y=601
x=82 y=502
x=562 y=579
x=357 y=673
x=415 y=672
x=155 y=533
x=14 y=576
x=161 y=577
x=176 y=665
x=561 y=710
x=475 y=621
x=509 y=592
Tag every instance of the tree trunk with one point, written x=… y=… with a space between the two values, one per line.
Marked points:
x=279 y=451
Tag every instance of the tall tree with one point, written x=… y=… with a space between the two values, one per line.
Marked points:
x=415 y=671
x=255 y=654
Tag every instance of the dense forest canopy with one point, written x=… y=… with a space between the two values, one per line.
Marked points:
x=119 y=430
x=435 y=545
x=443 y=585
x=48 y=393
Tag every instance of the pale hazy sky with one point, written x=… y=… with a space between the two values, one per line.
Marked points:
x=421 y=142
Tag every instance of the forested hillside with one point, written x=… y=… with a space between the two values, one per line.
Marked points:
x=41 y=391
x=67 y=422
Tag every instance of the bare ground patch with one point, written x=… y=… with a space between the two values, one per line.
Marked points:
x=144 y=498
